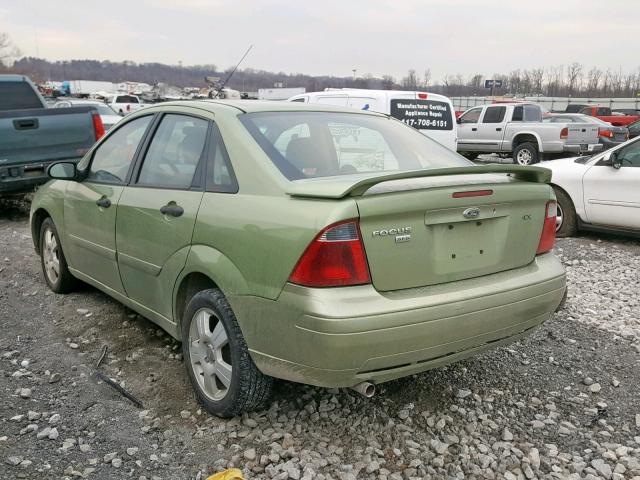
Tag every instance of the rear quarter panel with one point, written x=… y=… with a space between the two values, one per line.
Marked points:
x=260 y=238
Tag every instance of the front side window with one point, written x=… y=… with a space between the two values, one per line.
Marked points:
x=323 y=144
x=174 y=152
x=472 y=116
x=112 y=159
x=629 y=156
x=494 y=115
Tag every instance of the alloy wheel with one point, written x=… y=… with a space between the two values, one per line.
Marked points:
x=524 y=157
x=51 y=256
x=559 y=217
x=210 y=354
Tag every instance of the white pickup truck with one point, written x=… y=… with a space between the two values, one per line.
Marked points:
x=517 y=129
x=124 y=103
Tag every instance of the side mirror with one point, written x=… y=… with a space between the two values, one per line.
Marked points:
x=611 y=160
x=63 y=171
x=458 y=121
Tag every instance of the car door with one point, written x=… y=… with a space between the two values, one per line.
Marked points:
x=468 y=130
x=612 y=196
x=491 y=129
x=90 y=204
x=158 y=209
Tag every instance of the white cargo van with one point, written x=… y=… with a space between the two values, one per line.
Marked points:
x=430 y=113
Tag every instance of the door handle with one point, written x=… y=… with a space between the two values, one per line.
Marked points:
x=474 y=129
x=172 y=209
x=498 y=129
x=103 y=202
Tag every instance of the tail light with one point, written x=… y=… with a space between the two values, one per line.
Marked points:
x=423 y=96
x=335 y=258
x=564 y=133
x=603 y=132
x=98 y=127
x=548 y=237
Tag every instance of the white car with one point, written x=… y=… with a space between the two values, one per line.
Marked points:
x=599 y=192
x=107 y=115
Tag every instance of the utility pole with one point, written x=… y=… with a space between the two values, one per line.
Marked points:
x=354 y=74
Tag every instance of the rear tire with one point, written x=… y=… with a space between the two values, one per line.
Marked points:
x=54 y=264
x=525 y=154
x=567 y=225
x=222 y=373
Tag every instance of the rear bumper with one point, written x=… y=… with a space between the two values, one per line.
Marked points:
x=582 y=148
x=342 y=336
x=25 y=177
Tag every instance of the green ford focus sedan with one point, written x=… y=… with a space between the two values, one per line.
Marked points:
x=327 y=246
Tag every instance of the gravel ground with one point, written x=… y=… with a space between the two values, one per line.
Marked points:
x=561 y=404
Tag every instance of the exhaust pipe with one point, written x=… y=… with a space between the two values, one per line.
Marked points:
x=366 y=389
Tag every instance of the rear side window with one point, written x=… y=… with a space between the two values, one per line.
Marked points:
x=494 y=115
x=174 y=153
x=526 y=113
x=112 y=159
x=18 y=96
x=423 y=114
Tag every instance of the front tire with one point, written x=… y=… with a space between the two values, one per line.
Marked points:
x=54 y=264
x=567 y=220
x=222 y=373
x=525 y=154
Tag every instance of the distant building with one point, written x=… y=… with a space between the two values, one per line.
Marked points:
x=279 y=93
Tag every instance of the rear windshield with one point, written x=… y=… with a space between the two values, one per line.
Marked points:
x=325 y=144
x=18 y=96
x=423 y=114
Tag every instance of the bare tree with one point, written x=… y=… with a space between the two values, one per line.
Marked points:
x=475 y=83
x=537 y=79
x=411 y=80
x=426 y=78
x=388 y=82
x=593 y=81
x=574 y=77
x=8 y=51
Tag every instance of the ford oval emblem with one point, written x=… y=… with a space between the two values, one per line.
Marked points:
x=472 y=212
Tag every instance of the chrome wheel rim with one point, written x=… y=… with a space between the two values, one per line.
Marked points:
x=51 y=256
x=559 y=217
x=524 y=157
x=210 y=354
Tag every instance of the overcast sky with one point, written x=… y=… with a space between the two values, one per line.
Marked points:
x=332 y=36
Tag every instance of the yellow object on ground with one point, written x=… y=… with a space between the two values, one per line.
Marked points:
x=231 y=474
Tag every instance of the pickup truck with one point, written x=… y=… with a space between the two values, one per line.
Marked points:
x=517 y=129
x=124 y=103
x=606 y=115
x=32 y=136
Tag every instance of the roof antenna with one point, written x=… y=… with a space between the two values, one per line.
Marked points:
x=232 y=72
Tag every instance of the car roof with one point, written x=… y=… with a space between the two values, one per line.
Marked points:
x=79 y=100
x=10 y=77
x=370 y=93
x=253 y=106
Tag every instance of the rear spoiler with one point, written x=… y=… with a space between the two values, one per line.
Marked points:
x=340 y=187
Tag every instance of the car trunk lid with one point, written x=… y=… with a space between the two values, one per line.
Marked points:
x=431 y=229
